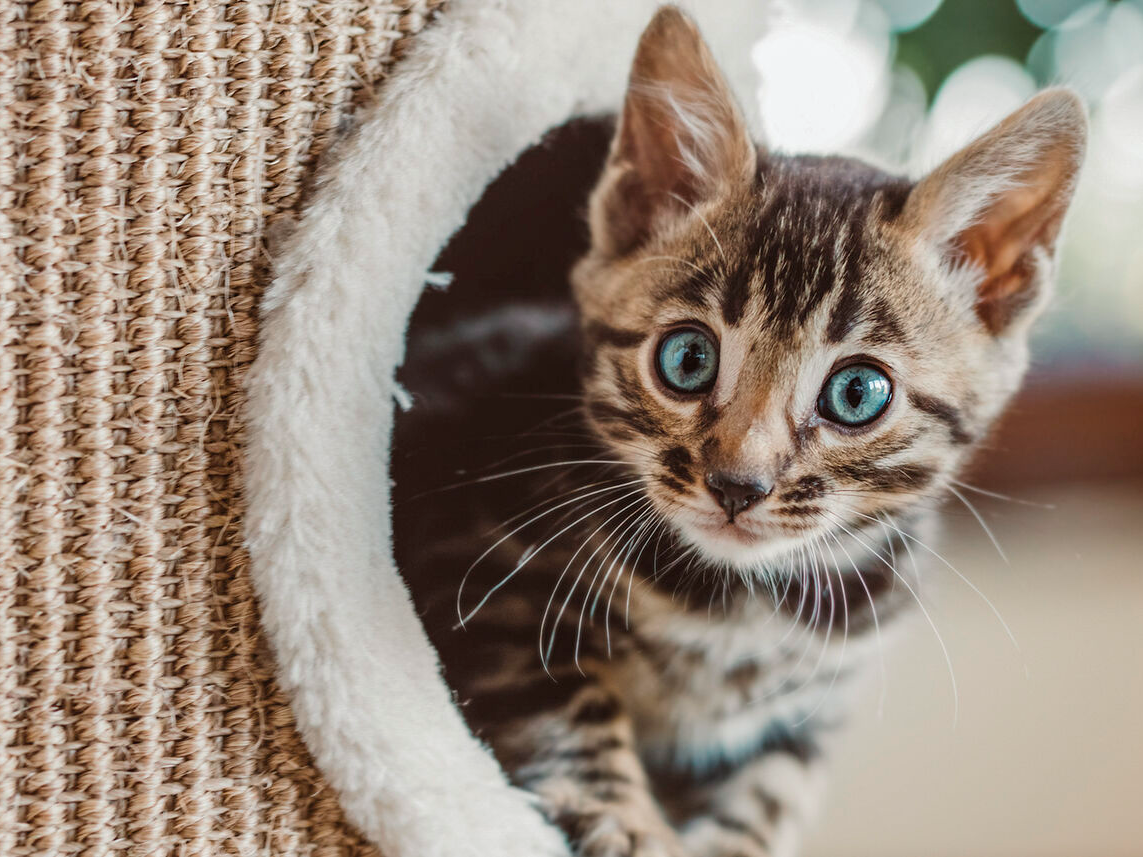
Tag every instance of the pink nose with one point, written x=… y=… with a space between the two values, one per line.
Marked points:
x=736 y=495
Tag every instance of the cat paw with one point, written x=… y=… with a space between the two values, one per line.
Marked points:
x=607 y=837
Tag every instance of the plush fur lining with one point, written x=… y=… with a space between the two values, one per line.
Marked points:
x=480 y=86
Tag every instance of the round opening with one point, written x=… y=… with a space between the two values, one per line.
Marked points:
x=491 y=360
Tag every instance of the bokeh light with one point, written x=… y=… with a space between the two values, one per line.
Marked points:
x=1049 y=13
x=908 y=14
x=974 y=98
x=1095 y=45
x=893 y=139
x=824 y=74
x=1119 y=130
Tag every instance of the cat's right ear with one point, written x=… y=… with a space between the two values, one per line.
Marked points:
x=681 y=137
x=994 y=209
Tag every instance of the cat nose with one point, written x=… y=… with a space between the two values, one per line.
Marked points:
x=734 y=494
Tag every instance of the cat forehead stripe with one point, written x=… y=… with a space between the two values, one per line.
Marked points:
x=805 y=237
x=810 y=237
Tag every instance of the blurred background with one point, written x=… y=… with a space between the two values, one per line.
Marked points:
x=1036 y=748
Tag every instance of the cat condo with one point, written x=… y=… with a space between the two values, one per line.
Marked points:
x=170 y=402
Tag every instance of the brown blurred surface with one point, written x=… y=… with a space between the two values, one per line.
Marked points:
x=1066 y=428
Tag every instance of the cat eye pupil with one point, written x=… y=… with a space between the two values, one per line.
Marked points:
x=687 y=360
x=855 y=395
x=692 y=359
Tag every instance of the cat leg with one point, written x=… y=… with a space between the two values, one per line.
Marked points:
x=762 y=808
x=582 y=763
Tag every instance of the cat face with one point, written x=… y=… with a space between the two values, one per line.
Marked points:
x=785 y=348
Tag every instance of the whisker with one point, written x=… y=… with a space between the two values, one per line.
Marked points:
x=788 y=572
x=644 y=523
x=796 y=624
x=907 y=537
x=517 y=472
x=663 y=530
x=656 y=522
x=920 y=604
x=705 y=223
x=538 y=467
x=546 y=655
x=996 y=496
x=624 y=527
x=808 y=629
x=539 y=449
x=876 y=623
x=506 y=536
x=844 y=638
x=980 y=520
x=671 y=259
x=829 y=623
x=556 y=586
x=570 y=415
x=995 y=612
x=575 y=397
x=577 y=490
x=636 y=528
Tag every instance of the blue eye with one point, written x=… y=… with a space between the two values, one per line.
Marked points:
x=855 y=395
x=688 y=360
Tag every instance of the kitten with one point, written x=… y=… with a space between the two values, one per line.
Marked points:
x=784 y=362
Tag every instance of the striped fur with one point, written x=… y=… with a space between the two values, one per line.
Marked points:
x=664 y=678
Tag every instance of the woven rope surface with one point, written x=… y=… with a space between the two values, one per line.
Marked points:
x=143 y=149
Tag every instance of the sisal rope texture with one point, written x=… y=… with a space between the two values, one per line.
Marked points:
x=144 y=148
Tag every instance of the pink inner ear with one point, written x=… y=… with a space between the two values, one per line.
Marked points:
x=1002 y=241
x=651 y=143
x=998 y=204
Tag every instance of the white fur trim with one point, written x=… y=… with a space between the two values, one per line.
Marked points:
x=478 y=87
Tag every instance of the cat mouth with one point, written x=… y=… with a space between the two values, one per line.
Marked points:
x=715 y=525
x=743 y=543
x=732 y=530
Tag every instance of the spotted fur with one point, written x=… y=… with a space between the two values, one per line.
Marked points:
x=665 y=676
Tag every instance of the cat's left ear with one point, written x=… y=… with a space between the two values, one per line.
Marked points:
x=681 y=138
x=998 y=204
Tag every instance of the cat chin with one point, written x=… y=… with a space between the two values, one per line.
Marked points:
x=736 y=547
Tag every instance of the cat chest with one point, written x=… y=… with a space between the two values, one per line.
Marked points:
x=713 y=697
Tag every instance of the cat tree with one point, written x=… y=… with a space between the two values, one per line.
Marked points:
x=159 y=413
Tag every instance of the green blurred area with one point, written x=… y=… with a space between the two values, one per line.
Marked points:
x=1095 y=317
x=961 y=30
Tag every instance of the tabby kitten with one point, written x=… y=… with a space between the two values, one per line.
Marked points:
x=784 y=363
